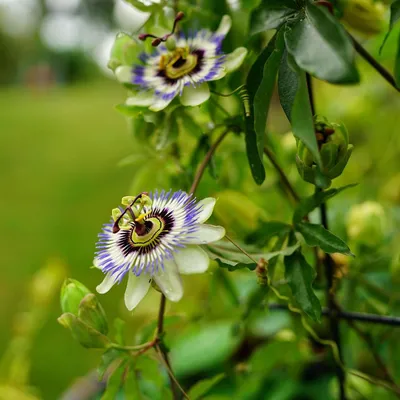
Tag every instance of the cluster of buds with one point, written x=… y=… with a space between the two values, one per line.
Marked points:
x=335 y=150
x=83 y=315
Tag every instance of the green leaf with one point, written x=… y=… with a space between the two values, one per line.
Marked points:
x=228 y=256
x=262 y=97
x=253 y=81
x=168 y=132
x=317 y=235
x=203 y=348
x=308 y=204
x=271 y=15
x=267 y=230
x=200 y=389
x=287 y=85
x=300 y=276
x=108 y=357
x=394 y=17
x=255 y=162
x=114 y=382
x=301 y=115
x=397 y=65
x=321 y=46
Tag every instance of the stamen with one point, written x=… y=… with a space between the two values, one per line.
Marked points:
x=128 y=208
x=157 y=40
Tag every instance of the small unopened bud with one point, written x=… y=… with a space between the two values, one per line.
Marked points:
x=365 y=16
x=92 y=313
x=72 y=293
x=335 y=150
x=262 y=272
x=367 y=223
x=143 y=36
x=156 y=42
x=86 y=335
x=179 y=16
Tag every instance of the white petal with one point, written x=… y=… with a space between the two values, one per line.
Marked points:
x=193 y=96
x=222 y=72
x=106 y=285
x=235 y=59
x=206 y=207
x=169 y=281
x=207 y=234
x=159 y=104
x=124 y=73
x=136 y=289
x=192 y=260
x=144 y=99
x=225 y=25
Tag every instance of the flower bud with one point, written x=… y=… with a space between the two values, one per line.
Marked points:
x=124 y=51
x=333 y=143
x=86 y=335
x=92 y=313
x=366 y=223
x=365 y=16
x=72 y=293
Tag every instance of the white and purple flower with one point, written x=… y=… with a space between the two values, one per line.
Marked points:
x=155 y=238
x=182 y=69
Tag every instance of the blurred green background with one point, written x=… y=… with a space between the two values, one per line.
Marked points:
x=61 y=141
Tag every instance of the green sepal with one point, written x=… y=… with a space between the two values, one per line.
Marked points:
x=86 y=335
x=125 y=51
x=92 y=313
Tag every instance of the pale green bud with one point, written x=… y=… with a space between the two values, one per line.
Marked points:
x=124 y=51
x=92 y=313
x=83 y=333
x=366 y=223
x=365 y=16
x=72 y=293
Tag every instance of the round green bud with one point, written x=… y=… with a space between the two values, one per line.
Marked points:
x=335 y=151
x=366 y=223
x=365 y=16
x=72 y=293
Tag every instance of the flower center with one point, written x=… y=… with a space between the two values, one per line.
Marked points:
x=147 y=232
x=179 y=63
